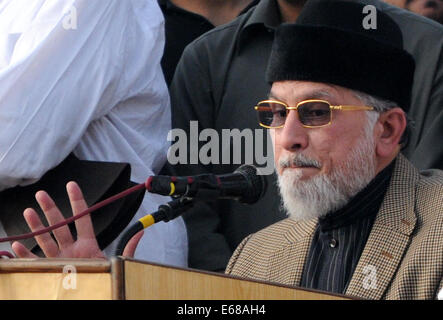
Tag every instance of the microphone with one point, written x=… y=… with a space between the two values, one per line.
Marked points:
x=243 y=185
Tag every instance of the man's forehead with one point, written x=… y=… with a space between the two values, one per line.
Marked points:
x=302 y=90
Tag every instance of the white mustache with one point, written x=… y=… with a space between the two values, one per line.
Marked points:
x=299 y=160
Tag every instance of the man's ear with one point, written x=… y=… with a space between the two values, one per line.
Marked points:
x=391 y=124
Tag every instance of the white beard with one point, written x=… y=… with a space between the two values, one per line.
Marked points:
x=315 y=197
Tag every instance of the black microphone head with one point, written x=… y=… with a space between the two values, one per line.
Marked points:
x=256 y=184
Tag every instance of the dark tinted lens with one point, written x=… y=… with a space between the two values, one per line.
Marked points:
x=314 y=113
x=271 y=114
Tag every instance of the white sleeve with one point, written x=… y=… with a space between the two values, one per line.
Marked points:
x=64 y=64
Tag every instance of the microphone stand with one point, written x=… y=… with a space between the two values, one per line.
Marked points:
x=166 y=212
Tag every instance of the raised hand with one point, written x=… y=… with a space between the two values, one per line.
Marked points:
x=64 y=246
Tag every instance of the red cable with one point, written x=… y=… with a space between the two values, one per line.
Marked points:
x=73 y=218
x=6 y=254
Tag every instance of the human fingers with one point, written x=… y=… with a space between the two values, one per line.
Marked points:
x=83 y=225
x=53 y=215
x=22 y=252
x=46 y=243
x=132 y=244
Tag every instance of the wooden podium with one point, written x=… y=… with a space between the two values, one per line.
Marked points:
x=122 y=278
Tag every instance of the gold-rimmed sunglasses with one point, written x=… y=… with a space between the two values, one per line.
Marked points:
x=272 y=114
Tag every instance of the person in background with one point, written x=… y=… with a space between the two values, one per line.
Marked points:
x=222 y=74
x=84 y=77
x=432 y=9
x=186 y=20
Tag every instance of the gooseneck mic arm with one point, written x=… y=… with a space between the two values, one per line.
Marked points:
x=166 y=212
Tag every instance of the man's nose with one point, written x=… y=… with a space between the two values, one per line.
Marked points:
x=293 y=136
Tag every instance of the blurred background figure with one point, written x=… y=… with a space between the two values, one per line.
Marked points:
x=186 y=20
x=84 y=77
x=432 y=9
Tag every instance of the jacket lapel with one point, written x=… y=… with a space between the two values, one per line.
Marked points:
x=389 y=236
x=286 y=263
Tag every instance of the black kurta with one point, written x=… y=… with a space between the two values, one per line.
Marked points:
x=341 y=236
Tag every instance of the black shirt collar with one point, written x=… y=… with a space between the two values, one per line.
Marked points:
x=168 y=5
x=365 y=204
x=266 y=13
x=265 y=17
x=249 y=6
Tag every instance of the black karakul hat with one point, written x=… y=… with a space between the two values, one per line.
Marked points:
x=330 y=44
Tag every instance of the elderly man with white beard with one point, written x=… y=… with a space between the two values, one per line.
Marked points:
x=362 y=221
